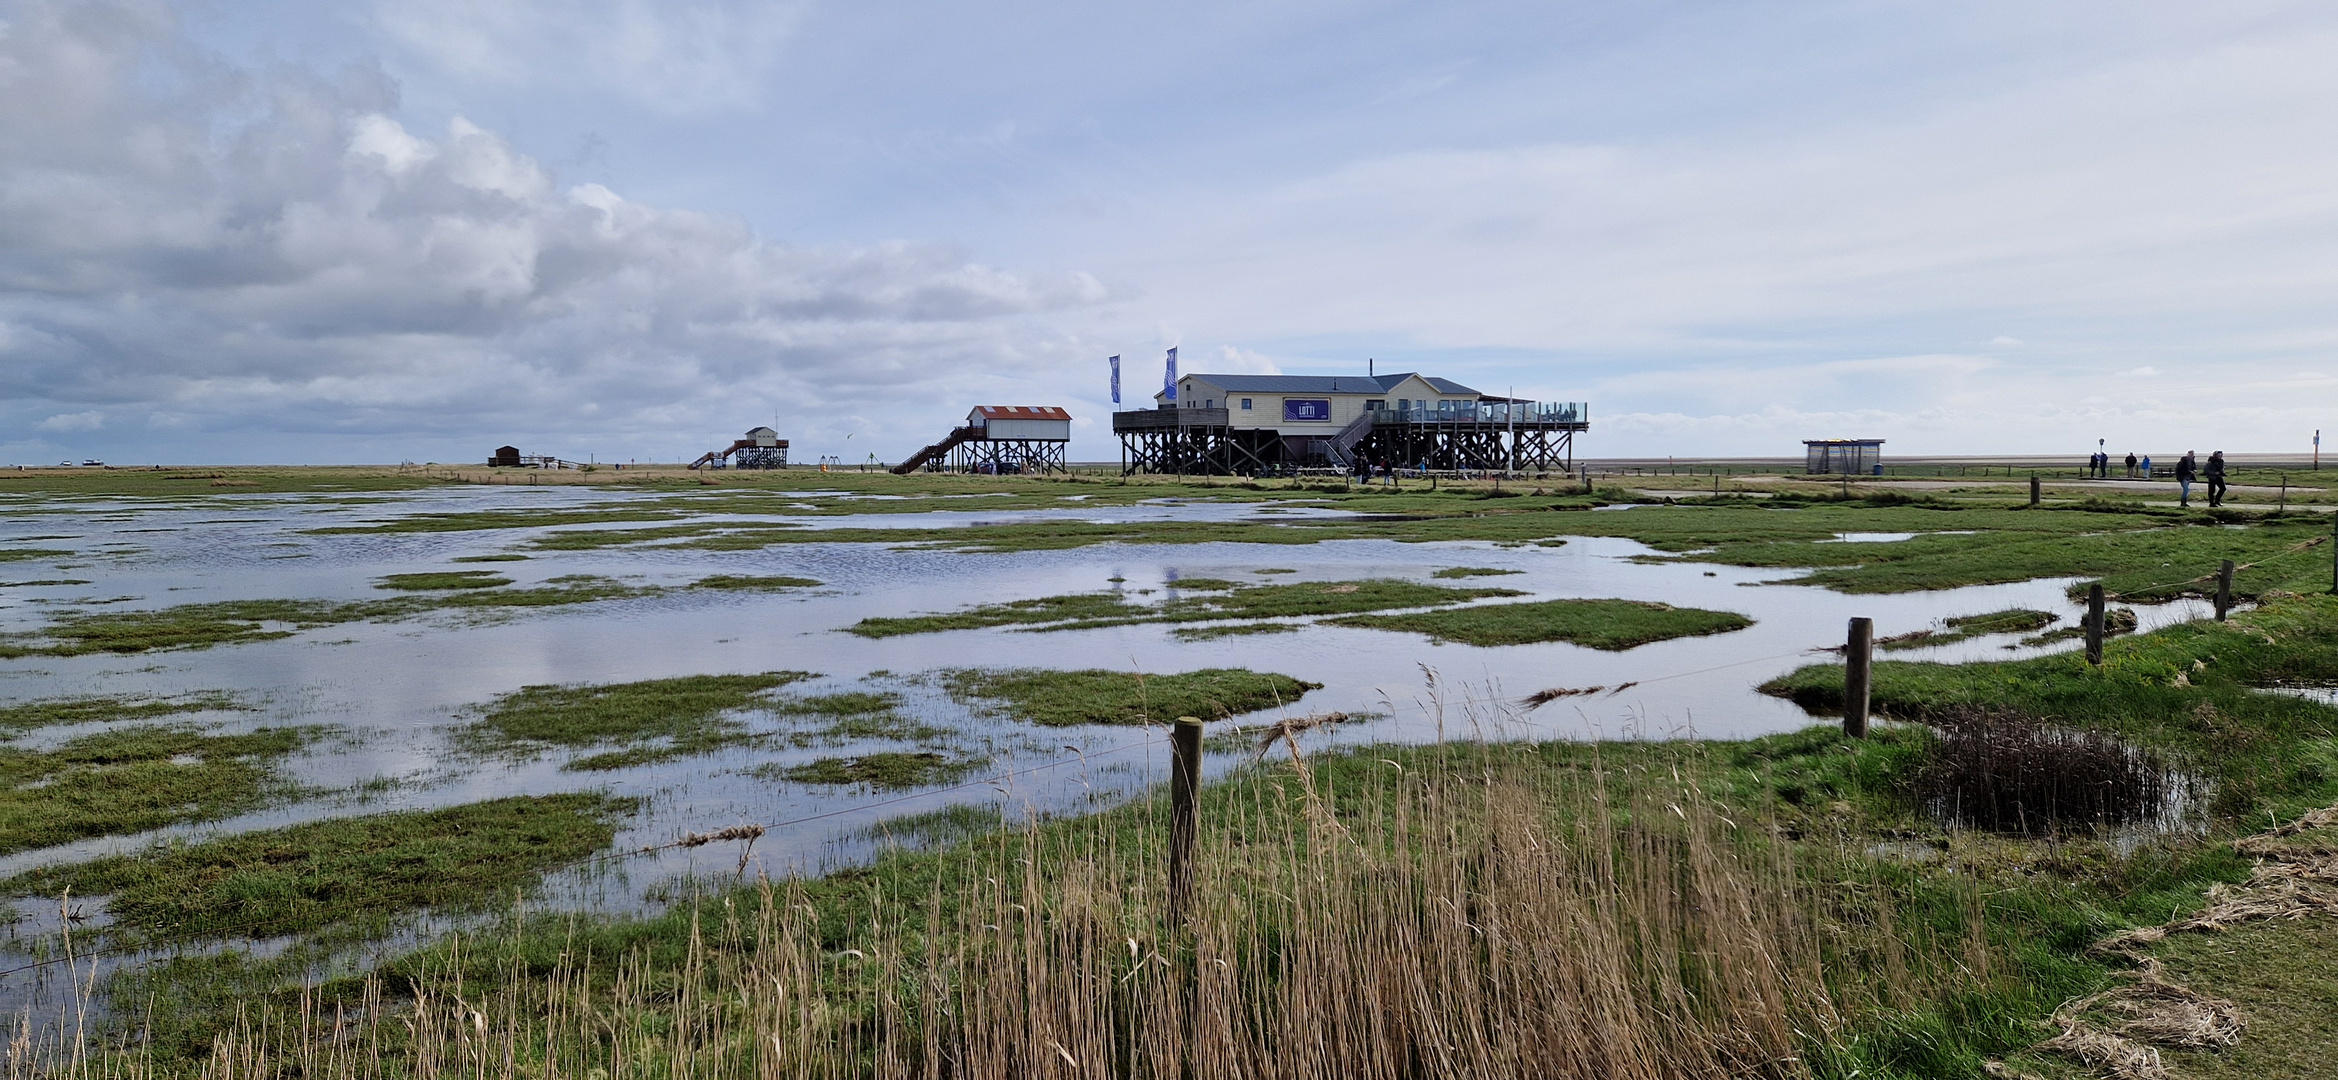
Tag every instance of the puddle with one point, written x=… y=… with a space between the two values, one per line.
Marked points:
x=403 y=688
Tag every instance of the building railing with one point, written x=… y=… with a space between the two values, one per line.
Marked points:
x=1489 y=412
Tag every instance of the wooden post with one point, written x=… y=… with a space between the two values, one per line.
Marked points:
x=1184 y=813
x=1858 y=658
x=2333 y=550
x=2033 y=489
x=2223 y=590
x=2094 y=624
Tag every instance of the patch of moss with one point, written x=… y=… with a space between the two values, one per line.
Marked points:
x=1472 y=571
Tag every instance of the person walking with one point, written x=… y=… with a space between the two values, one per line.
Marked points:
x=2215 y=475
x=2147 y=466
x=2187 y=470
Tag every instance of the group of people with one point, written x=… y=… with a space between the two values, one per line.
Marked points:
x=2098 y=466
x=2188 y=472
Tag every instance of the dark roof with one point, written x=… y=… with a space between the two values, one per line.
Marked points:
x=1323 y=384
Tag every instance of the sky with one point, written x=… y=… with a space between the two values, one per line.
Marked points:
x=414 y=230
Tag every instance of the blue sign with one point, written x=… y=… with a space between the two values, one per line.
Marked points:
x=1306 y=409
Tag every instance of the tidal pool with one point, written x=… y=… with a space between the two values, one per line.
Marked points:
x=399 y=690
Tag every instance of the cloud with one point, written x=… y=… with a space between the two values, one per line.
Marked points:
x=2144 y=372
x=2001 y=339
x=677 y=56
x=274 y=251
x=80 y=421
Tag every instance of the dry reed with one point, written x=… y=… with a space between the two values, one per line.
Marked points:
x=1463 y=923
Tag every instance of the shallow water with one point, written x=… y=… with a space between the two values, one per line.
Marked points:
x=399 y=688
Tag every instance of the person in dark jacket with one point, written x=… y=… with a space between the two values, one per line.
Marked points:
x=2215 y=475
x=2187 y=470
x=2130 y=465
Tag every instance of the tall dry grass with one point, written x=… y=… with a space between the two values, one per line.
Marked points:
x=1470 y=923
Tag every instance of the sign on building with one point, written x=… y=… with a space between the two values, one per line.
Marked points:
x=1305 y=409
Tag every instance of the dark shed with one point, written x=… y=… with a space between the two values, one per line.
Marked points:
x=505 y=455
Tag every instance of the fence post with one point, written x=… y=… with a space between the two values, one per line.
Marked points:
x=2094 y=624
x=2033 y=489
x=1184 y=818
x=1858 y=658
x=2223 y=590
x=2334 y=554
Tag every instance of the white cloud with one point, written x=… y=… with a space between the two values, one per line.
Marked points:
x=281 y=253
x=80 y=421
x=2144 y=372
x=2001 y=339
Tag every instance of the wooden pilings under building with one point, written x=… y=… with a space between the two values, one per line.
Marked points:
x=1505 y=437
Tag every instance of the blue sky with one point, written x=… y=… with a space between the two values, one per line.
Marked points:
x=415 y=230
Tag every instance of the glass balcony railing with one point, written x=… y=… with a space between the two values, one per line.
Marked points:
x=1487 y=412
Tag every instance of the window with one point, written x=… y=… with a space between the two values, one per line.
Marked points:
x=1375 y=406
x=1245 y=404
x=1210 y=404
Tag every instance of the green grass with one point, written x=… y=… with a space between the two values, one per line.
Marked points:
x=2282 y=977
x=133 y=779
x=182 y=483
x=281 y=881
x=643 y=722
x=1228 y=601
x=1613 y=625
x=1061 y=698
x=8 y=554
x=1964 y=627
x=240 y=622
x=889 y=771
x=749 y=583
x=2189 y=689
x=505 y=557
x=1091 y=608
x=1472 y=571
x=28 y=715
x=450 y=579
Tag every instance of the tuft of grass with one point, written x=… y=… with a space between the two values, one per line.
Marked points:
x=1227 y=601
x=889 y=771
x=508 y=556
x=1219 y=630
x=1203 y=584
x=1472 y=571
x=288 y=880
x=742 y=582
x=448 y=579
x=51 y=712
x=1062 y=698
x=241 y=622
x=1964 y=627
x=133 y=779
x=8 y=554
x=651 y=720
x=1613 y=625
